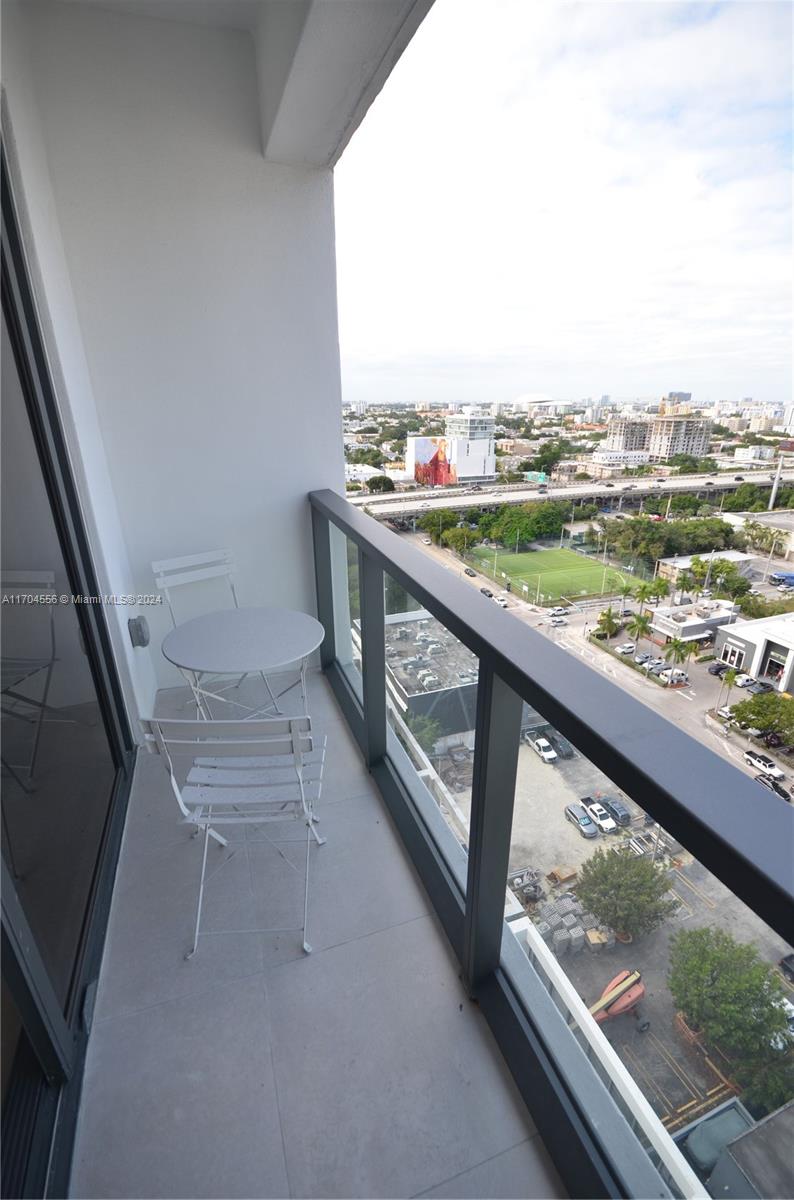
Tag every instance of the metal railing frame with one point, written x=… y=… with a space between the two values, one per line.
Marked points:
x=699 y=798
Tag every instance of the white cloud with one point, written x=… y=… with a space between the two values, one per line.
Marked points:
x=573 y=199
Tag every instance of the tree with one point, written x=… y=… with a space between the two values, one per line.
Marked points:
x=459 y=540
x=644 y=593
x=380 y=483
x=435 y=523
x=625 y=892
x=728 y=681
x=608 y=624
x=625 y=590
x=676 y=652
x=660 y=588
x=639 y=626
x=770 y=711
x=425 y=729
x=729 y=994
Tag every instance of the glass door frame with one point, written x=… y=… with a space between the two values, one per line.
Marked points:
x=41 y=1105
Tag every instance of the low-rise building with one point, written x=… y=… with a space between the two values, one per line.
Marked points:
x=696 y=622
x=671 y=568
x=750 y=454
x=763 y=648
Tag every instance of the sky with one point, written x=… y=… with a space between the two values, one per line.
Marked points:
x=572 y=200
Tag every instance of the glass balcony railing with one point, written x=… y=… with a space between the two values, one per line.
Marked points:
x=590 y=864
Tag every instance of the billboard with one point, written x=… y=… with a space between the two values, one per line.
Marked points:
x=431 y=461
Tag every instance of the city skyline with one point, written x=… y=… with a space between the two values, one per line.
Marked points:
x=584 y=199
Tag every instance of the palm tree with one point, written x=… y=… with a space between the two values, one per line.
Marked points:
x=728 y=680
x=644 y=593
x=608 y=622
x=659 y=589
x=639 y=626
x=625 y=590
x=676 y=652
x=685 y=582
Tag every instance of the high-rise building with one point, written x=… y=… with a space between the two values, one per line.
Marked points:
x=627 y=434
x=466 y=453
x=671 y=435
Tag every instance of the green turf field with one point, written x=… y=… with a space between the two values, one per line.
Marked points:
x=552 y=574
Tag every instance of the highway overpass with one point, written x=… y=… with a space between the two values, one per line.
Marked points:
x=402 y=505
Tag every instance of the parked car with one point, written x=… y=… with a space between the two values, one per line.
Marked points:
x=673 y=675
x=544 y=749
x=718 y=668
x=561 y=745
x=786 y=965
x=426 y=541
x=641 y=658
x=559 y=611
x=773 y=740
x=726 y=713
x=600 y=816
x=487 y=592
x=773 y=786
x=470 y=573
x=656 y=668
x=743 y=681
x=759 y=687
x=617 y=810
x=763 y=763
x=583 y=822
x=556 y=621
x=500 y=600
x=626 y=648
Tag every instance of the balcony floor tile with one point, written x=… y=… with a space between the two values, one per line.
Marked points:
x=254 y=1070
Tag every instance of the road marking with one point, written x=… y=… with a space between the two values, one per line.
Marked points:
x=706 y=900
x=684 y=696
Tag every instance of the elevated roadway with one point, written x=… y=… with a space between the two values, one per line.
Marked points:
x=402 y=505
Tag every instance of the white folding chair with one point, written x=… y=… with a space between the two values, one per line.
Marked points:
x=172 y=573
x=243 y=773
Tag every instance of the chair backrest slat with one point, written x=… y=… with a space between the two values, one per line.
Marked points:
x=193 y=568
x=17 y=582
x=269 y=738
x=209 y=558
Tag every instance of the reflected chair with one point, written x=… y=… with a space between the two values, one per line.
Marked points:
x=242 y=773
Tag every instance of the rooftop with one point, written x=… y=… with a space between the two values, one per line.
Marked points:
x=779 y=628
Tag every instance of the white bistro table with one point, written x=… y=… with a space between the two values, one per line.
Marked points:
x=242 y=641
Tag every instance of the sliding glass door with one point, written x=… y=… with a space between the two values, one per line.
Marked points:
x=66 y=757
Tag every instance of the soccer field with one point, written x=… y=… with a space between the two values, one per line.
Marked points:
x=551 y=575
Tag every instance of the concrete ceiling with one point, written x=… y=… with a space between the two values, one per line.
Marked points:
x=320 y=63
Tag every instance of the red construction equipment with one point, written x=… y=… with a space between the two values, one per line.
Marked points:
x=621 y=995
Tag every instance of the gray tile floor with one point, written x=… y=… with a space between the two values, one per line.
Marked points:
x=254 y=1070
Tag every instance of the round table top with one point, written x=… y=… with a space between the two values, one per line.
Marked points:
x=240 y=641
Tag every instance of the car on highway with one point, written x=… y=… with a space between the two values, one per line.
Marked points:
x=487 y=592
x=709 y=483
x=544 y=749
x=500 y=600
x=471 y=574
x=599 y=815
x=718 y=668
x=773 y=786
x=609 y=485
x=561 y=745
x=739 y=478
x=763 y=763
x=582 y=820
x=557 y=621
x=617 y=810
x=626 y=648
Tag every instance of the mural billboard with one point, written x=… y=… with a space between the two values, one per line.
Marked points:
x=431 y=461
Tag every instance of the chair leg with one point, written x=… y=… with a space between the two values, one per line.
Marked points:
x=44 y=698
x=306 y=947
x=190 y=953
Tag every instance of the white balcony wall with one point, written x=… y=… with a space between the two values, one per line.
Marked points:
x=203 y=284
